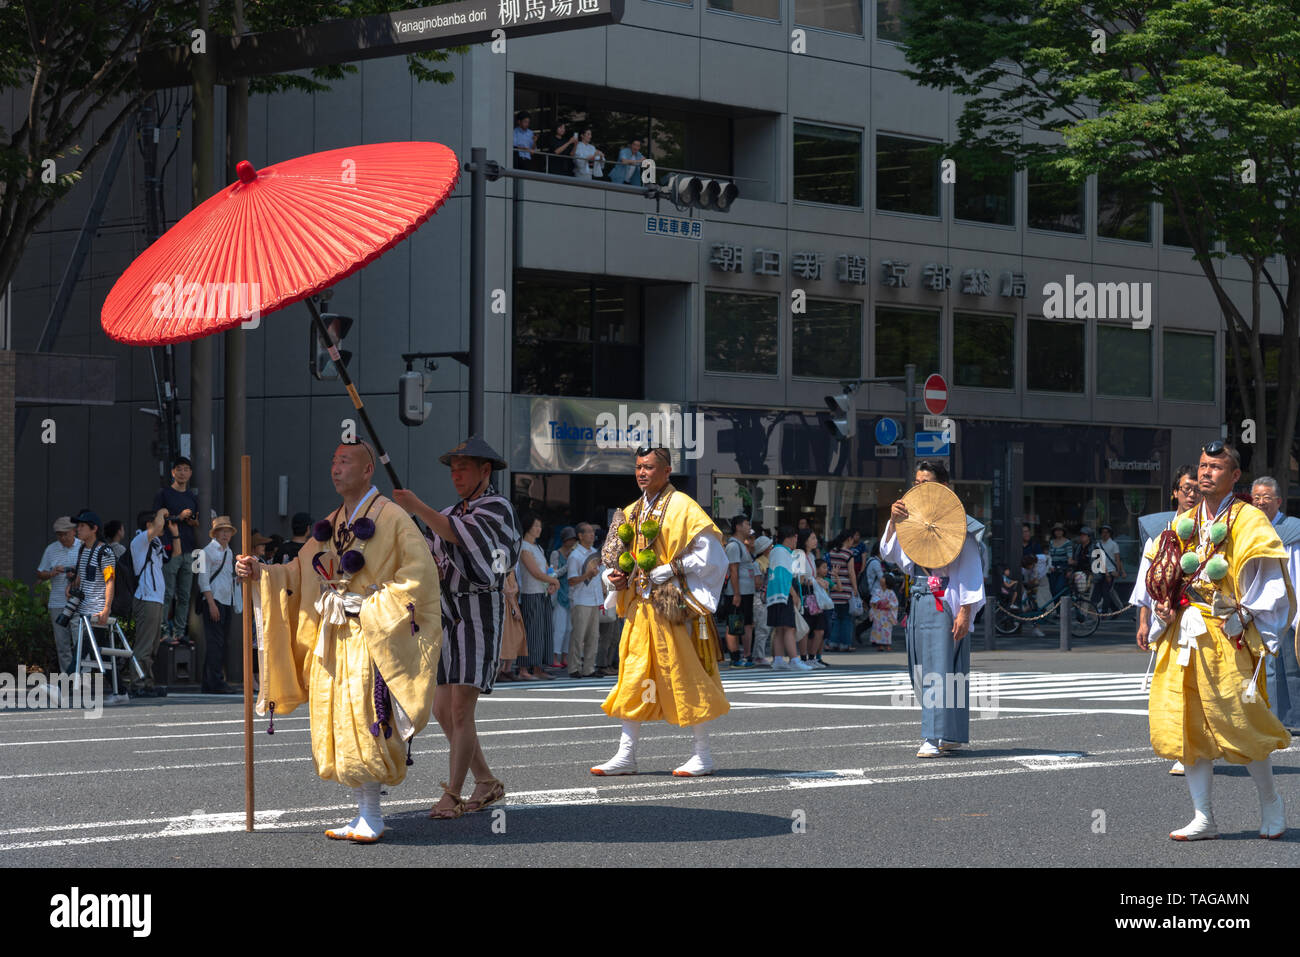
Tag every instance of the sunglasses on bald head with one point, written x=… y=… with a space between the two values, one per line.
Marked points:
x=1217 y=447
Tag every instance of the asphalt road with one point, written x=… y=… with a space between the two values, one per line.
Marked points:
x=813 y=769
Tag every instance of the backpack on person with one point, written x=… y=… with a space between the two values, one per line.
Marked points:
x=872 y=573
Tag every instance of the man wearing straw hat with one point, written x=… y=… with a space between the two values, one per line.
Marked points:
x=476 y=543
x=946 y=592
x=223 y=599
x=351 y=627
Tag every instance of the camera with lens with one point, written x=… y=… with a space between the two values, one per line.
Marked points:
x=72 y=607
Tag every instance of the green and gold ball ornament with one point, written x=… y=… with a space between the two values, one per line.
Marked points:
x=1189 y=563
x=1216 y=567
x=646 y=559
x=626 y=563
x=626 y=533
x=1218 y=532
x=1184 y=528
x=650 y=529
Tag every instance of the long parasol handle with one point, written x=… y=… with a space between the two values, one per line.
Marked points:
x=245 y=520
x=352 y=392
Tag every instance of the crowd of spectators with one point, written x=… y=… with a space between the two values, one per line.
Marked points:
x=566 y=151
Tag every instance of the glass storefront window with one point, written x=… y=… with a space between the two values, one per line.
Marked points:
x=906 y=335
x=1076 y=506
x=1189 y=374
x=842 y=16
x=1056 y=356
x=827 y=165
x=826 y=341
x=740 y=332
x=907 y=175
x=1123 y=361
x=984 y=351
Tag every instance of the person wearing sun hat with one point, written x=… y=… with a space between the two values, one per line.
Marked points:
x=475 y=544
x=352 y=628
x=223 y=599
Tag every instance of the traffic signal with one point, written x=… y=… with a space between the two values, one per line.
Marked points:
x=411 y=407
x=322 y=363
x=685 y=190
x=843 y=421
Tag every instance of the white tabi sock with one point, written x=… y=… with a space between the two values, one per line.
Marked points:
x=1272 y=813
x=1200 y=782
x=624 y=762
x=701 y=761
x=344 y=832
x=370 y=822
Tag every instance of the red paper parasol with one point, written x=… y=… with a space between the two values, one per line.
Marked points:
x=277 y=236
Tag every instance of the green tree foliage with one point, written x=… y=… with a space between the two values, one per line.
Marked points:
x=1195 y=100
x=70 y=70
x=26 y=635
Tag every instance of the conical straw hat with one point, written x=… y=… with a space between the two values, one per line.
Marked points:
x=935 y=528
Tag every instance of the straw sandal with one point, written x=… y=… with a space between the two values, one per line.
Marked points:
x=451 y=813
x=495 y=793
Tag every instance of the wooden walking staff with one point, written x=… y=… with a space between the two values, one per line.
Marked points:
x=246 y=509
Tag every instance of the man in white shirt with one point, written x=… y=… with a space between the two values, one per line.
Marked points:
x=1283 y=670
x=224 y=600
x=58 y=564
x=147 y=559
x=585 y=598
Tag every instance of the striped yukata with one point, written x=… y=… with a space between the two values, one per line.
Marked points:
x=472 y=601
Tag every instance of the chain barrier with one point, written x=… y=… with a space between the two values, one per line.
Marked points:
x=1109 y=614
x=1003 y=609
x=1011 y=614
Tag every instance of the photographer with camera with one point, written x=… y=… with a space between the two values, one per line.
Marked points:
x=90 y=594
x=58 y=565
x=146 y=558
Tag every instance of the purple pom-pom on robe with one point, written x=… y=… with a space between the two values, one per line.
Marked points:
x=363 y=529
x=352 y=561
x=322 y=530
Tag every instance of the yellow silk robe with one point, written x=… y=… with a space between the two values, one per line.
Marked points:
x=660 y=673
x=336 y=676
x=1197 y=712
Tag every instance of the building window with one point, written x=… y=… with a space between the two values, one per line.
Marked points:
x=1054 y=204
x=577 y=338
x=842 y=16
x=763 y=9
x=907 y=175
x=1123 y=361
x=1188 y=367
x=740 y=333
x=906 y=335
x=1172 y=233
x=827 y=165
x=984 y=351
x=1123 y=212
x=985 y=192
x=1056 y=356
x=826 y=341
x=889 y=19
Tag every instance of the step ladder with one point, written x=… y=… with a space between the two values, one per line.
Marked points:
x=115 y=647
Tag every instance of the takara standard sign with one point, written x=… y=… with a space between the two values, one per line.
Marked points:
x=562 y=434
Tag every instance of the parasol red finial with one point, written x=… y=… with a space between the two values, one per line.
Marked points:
x=247 y=171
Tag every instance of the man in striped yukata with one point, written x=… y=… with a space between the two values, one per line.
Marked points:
x=475 y=543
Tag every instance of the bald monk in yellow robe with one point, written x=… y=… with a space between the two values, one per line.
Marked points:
x=667 y=668
x=353 y=628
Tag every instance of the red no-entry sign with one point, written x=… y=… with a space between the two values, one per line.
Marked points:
x=935 y=393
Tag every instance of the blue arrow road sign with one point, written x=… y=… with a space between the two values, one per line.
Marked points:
x=886 y=431
x=931 y=443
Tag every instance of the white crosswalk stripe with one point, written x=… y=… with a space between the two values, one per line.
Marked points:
x=1004 y=686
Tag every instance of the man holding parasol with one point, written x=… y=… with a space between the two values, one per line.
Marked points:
x=930 y=536
x=1222 y=601
x=352 y=627
x=665 y=565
